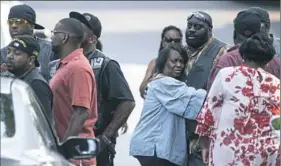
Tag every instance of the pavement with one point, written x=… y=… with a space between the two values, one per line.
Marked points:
x=131 y=35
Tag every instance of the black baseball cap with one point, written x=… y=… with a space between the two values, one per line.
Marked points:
x=27 y=44
x=261 y=12
x=25 y=12
x=91 y=21
x=247 y=23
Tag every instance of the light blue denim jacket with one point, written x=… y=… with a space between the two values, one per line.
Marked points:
x=161 y=128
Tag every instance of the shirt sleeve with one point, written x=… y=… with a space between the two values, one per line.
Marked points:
x=178 y=98
x=206 y=119
x=81 y=88
x=44 y=95
x=116 y=86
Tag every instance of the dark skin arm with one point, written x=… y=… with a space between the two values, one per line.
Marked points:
x=77 y=121
x=147 y=77
x=121 y=115
x=205 y=144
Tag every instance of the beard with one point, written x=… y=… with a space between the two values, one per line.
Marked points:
x=56 y=49
x=18 y=70
x=198 y=41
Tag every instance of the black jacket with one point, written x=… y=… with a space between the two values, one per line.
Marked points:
x=42 y=91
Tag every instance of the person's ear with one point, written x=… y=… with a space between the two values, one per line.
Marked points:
x=264 y=27
x=93 y=39
x=31 y=60
x=65 y=38
x=31 y=26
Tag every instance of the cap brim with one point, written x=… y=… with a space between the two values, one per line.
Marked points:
x=80 y=17
x=37 y=26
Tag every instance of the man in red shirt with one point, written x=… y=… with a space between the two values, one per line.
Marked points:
x=73 y=85
x=246 y=24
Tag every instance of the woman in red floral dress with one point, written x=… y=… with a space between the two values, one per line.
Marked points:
x=239 y=124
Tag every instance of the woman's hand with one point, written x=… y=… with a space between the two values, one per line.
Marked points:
x=205 y=144
x=205 y=155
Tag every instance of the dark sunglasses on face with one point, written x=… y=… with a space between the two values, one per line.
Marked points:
x=199 y=16
x=170 y=40
x=17 y=21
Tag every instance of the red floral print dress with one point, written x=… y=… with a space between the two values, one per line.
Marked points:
x=241 y=116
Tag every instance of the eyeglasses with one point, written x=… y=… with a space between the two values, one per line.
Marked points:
x=170 y=40
x=201 y=17
x=53 y=32
x=17 y=21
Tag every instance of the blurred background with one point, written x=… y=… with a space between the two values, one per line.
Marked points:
x=131 y=30
x=131 y=35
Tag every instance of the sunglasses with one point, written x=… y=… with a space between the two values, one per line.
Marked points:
x=170 y=40
x=199 y=16
x=17 y=21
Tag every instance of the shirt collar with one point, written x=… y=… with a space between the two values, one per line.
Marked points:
x=90 y=54
x=26 y=73
x=73 y=55
x=233 y=48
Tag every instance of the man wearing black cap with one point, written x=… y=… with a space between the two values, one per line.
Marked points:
x=246 y=24
x=21 y=60
x=265 y=26
x=115 y=100
x=22 y=21
x=202 y=49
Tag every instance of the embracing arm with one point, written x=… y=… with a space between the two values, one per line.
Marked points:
x=178 y=98
x=147 y=77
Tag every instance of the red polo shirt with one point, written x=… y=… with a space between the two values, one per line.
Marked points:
x=74 y=84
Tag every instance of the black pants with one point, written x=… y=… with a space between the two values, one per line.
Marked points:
x=105 y=159
x=153 y=161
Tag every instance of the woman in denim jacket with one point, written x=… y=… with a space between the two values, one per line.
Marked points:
x=160 y=135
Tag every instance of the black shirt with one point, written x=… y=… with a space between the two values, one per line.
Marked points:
x=41 y=90
x=115 y=85
x=115 y=89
